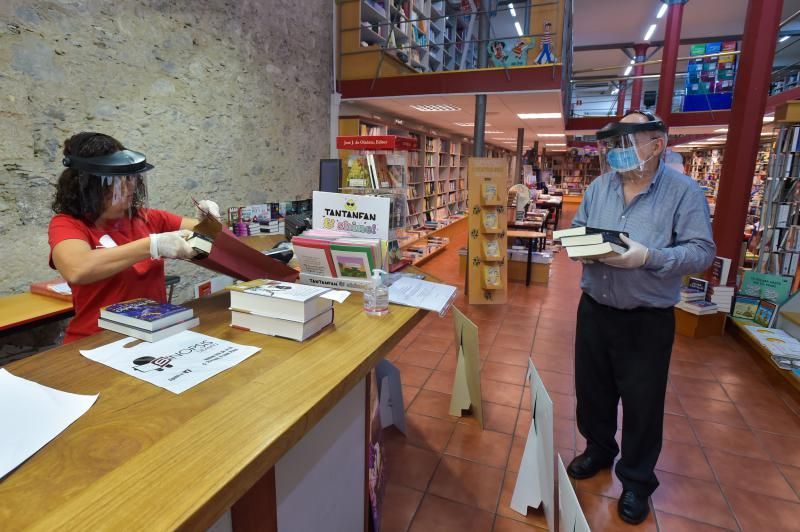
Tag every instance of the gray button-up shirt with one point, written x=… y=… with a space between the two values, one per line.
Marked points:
x=670 y=217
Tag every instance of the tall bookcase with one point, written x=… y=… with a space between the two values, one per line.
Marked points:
x=705 y=168
x=779 y=249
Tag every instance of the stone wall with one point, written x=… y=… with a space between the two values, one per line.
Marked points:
x=229 y=99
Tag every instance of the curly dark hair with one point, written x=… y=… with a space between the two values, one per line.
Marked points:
x=81 y=194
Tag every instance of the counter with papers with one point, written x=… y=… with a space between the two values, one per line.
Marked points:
x=278 y=438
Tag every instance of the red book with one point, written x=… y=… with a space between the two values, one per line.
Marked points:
x=56 y=288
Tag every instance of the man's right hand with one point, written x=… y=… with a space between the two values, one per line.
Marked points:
x=171 y=245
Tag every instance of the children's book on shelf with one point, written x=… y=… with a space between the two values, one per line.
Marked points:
x=276 y=299
x=767 y=286
x=745 y=307
x=358 y=172
x=492 y=277
x=766 y=313
x=352 y=261
x=146 y=314
x=314 y=256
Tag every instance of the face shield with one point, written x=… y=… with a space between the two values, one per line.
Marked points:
x=112 y=186
x=631 y=149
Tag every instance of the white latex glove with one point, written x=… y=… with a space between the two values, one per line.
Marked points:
x=206 y=208
x=171 y=245
x=635 y=257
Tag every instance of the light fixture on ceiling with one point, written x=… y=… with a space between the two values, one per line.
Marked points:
x=784 y=38
x=468 y=124
x=502 y=138
x=769 y=118
x=494 y=132
x=519 y=28
x=436 y=107
x=723 y=130
x=538 y=116
x=545 y=135
x=615 y=91
x=511 y=8
x=650 y=31
x=628 y=70
x=662 y=10
x=765 y=133
x=633 y=61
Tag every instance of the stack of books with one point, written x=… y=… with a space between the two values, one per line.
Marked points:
x=273 y=227
x=276 y=308
x=699 y=308
x=723 y=296
x=695 y=290
x=146 y=319
x=591 y=243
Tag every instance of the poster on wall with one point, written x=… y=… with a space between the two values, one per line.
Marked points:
x=509 y=52
x=359 y=216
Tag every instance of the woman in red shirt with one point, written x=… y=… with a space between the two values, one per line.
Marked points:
x=104 y=240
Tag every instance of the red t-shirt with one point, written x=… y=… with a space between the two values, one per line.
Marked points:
x=143 y=279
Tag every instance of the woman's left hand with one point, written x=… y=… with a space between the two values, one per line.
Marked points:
x=207 y=208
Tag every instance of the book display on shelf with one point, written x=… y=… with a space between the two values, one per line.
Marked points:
x=487 y=268
x=706 y=168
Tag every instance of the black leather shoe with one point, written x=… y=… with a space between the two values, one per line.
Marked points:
x=632 y=508
x=586 y=466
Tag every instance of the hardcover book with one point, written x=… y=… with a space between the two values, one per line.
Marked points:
x=148 y=336
x=294 y=330
x=275 y=299
x=766 y=313
x=352 y=261
x=595 y=251
x=609 y=235
x=145 y=314
x=745 y=307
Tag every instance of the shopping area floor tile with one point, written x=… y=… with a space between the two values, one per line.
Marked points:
x=731 y=451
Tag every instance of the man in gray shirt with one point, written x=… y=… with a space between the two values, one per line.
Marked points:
x=626 y=321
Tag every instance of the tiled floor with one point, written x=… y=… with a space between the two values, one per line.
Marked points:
x=731 y=455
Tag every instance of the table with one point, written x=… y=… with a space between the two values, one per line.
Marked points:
x=556 y=203
x=144 y=458
x=20 y=311
x=530 y=236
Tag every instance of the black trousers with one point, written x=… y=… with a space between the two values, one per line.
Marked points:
x=623 y=354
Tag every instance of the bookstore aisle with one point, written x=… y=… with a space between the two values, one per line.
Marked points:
x=731 y=453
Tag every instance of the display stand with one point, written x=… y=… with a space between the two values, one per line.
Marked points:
x=487 y=260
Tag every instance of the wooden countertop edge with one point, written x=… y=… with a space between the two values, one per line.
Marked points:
x=190 y=493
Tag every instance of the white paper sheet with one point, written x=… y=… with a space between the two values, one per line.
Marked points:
x=61 y=288
x=31 y=415
x=421 y=294
x=176 y=363
x=336 y=295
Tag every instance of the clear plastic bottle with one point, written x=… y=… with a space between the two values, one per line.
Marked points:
x=376 y=297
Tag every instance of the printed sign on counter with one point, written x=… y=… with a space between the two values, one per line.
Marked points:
x=176 y=363
x=359 y=216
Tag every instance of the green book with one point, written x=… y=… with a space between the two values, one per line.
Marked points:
x=771 y=287
x=352 y=261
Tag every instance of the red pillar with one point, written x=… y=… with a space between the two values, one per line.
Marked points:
x=623 y=88
x=669 y=60
x=744 y=130
x=638 y=69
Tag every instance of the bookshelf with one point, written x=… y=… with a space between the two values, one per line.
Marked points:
x=779 y=249
x=705 y=168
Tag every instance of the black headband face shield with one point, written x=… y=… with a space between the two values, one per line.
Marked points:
x=113 y=186
x=627 y=148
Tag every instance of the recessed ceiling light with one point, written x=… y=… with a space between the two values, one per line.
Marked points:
x=469 y=124
x=633 y=61
x=536 y=116
x=650 y=31
x=519 y=28
x=723 y=130
x=769 y=118
x=511 y=8
x=765 y=133
x=628 y=71
x=557 y=144
x=432 y=108
x=545 y=135
x=494 y=132
x=662 y=10
x=615 y=91
x=784 y=38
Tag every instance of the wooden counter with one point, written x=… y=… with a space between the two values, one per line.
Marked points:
x=144 y=458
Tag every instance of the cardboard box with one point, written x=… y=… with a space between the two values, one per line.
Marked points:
x=788 y=112
x=694 y=326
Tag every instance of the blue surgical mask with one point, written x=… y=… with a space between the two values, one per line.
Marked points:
x=623 y=159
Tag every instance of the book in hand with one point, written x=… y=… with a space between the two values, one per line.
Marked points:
x=145 y=314
x=720 y=270
x=294 y=330
x=581 y=231
x=201 y=244
x=593 y=238
x=595 y=251
x=699 y=308
x=277 y=299
x=146 y=335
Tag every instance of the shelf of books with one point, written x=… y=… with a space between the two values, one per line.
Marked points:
x=705 y=168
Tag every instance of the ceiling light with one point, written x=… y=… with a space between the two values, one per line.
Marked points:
x=633 y=61
x=765 y=133
x=468 y=124
x=502 y=138
x=511 y=8
x=615 y=91
x=628 y=70
x=536 y=116
x=769 y=118
x=494 y=132
x=431 y=108
x=544 y=135
x=662 y=10
x=519 y=28
x=650 y=31
x=557 y=144
x=723 y=130
x=784 y=38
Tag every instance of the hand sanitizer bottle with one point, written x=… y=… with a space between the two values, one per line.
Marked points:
x=376 y=297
